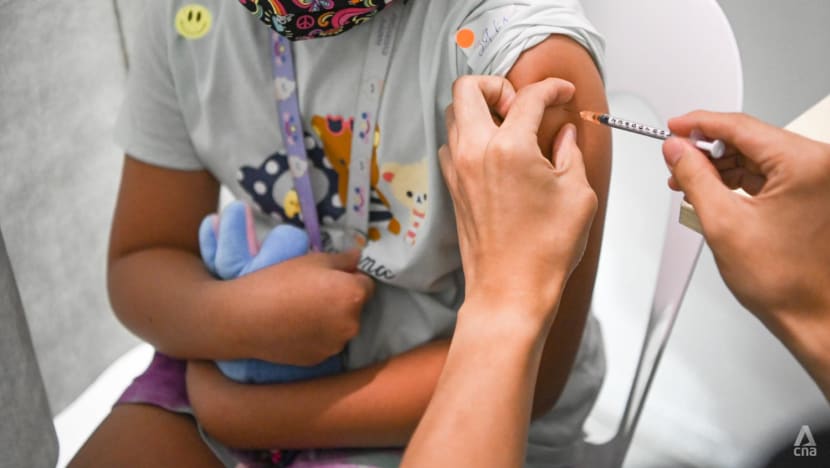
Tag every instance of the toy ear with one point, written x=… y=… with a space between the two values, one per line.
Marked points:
x=236 y=244
x=207 y=241
x=284 y=242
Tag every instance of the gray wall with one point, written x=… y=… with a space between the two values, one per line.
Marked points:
x=61 y=82
x=784 y=49
x=129 y=15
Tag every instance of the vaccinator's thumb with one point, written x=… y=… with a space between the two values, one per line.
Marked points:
x=697 y=178
x=567 y=157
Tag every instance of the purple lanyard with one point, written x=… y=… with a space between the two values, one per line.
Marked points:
x=375 y=69
x=291 y=128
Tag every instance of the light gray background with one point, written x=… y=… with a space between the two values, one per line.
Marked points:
x=61 y=79
x=784 y=48
x=62 y=71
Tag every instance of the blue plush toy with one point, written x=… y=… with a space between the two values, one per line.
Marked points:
x=229 y=250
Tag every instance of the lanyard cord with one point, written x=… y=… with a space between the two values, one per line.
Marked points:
x=291 y=129
x=373 y=78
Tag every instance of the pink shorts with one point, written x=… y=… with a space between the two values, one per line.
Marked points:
x=162 y=384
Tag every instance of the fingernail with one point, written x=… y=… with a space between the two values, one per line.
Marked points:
x=673 y=150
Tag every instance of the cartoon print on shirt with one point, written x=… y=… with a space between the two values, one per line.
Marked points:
x=336 y=135
x=271 y=186
x=409 y=186
x=291 y=204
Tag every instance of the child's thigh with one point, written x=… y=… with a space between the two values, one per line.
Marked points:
x=144 y=435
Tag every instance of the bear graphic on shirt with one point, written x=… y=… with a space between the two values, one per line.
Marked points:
x=336 y=135
x=409 y=184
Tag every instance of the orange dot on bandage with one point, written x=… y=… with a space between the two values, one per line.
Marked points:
x=465 y=38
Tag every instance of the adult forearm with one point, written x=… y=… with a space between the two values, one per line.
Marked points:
x=807 y=335
x=378 y=406
x=818 y=366
x=484 y=395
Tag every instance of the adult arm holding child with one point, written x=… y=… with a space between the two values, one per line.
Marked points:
x=484 y=395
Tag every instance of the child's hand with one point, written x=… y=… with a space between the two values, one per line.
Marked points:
x=523 y=221
x=303 y=310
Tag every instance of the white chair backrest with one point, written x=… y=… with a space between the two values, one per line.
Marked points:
x=677 y=56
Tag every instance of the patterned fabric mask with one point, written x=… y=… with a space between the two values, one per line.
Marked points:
x=308 y=19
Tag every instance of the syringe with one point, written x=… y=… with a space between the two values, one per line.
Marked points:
x=716 y=148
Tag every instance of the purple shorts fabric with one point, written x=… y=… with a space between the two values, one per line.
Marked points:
x=162 y=384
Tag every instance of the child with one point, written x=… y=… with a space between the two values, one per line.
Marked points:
x=201 y=111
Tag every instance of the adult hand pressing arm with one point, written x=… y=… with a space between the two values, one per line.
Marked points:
x=495 y=174
x=772 y=249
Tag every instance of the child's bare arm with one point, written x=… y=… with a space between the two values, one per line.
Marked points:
x=561 y=57
x=378 y=406
x=160 y=289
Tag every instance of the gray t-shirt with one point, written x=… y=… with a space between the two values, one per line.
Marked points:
x=208 y=102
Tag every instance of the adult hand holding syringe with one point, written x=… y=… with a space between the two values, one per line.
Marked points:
x=773 y=248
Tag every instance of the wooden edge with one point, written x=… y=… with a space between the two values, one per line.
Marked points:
x=814 y=123
x=689 y=218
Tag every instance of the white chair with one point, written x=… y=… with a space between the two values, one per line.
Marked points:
x=677 y=56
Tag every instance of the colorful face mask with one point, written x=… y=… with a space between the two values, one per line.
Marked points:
x=306 y=19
